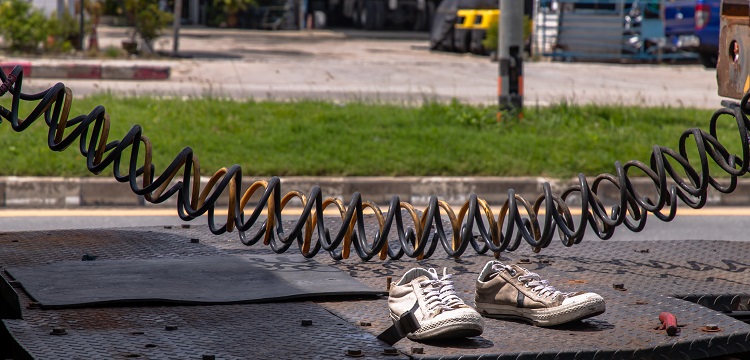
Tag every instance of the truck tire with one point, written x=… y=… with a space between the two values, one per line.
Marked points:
x=476 y=47
x=444 y=44
x=461 y=40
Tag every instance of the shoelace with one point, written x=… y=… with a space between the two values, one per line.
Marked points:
x=445 y=288
x=441 y=295
x=432 y=297
x=532 y=280
x=542 y=287
x=448 y=292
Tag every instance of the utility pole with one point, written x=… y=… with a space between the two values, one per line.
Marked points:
x=81 y=27
x=60 y=9
x=176 y=24
x=510 y=57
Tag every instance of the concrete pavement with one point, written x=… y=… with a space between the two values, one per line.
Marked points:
x=86 y=69
x=383 y=66
x=56 y=193
x=341 y=65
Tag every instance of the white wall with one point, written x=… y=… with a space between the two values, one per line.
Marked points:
x=48 y=6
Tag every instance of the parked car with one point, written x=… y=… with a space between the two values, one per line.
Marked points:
x=462 y=25
x=693 y=25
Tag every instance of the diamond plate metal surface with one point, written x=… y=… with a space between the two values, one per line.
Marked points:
x=652 y=276
x=259 y=331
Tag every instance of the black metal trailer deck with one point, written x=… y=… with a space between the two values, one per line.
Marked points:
x=705 y=284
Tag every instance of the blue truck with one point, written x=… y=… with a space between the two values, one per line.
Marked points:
x=693 y=25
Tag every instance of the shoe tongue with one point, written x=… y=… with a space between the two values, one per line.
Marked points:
x=432 y=274
x=513 y=268
x=519 y=270
x=491 y=276
x=421 y=278
x=415 y=273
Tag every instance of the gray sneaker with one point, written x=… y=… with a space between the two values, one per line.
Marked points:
x=433 y=301
x=510 y=291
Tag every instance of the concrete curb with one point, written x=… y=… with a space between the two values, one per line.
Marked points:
x=90 y=71
x=55 y=192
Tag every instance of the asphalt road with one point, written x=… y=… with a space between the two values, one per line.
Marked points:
x=711 y=223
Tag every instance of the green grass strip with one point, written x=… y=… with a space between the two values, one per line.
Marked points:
x=365 y=139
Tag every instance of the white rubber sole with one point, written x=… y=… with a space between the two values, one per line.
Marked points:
x=546 y=316
x=450 y=328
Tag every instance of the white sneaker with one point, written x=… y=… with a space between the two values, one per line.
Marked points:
x=433 y=301
x=510 y=291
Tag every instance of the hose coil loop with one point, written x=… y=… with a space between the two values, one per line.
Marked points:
x=474 y=224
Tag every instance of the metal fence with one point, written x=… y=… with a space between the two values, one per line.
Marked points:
x=601 y=30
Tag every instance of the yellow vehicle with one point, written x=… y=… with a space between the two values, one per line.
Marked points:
x=463 y=29
x=465 y=18
x=471 y=28
x=482 y=22
x=483 y=18
x=461 y=25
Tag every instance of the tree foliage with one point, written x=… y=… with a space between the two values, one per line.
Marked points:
x=147 y=20
x=23 y=27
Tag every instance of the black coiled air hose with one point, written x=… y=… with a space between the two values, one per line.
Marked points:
x=416 y=240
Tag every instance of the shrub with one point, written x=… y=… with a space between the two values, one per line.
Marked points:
x=111 y=8
x=147 y=20
x=112 y=52
x=65 y=30
x=23 y=27
x=490 y=40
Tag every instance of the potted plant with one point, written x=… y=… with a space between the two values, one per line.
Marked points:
x=147 y=23
x=130 y=46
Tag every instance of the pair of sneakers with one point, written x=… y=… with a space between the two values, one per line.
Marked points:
x=502 y=291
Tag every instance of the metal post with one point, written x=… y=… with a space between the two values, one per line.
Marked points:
x=194 y=12
x=510 y=57
x=176 y=24
x=301 y=15
x=81 y=27
x=60 y=9
x=72 y=9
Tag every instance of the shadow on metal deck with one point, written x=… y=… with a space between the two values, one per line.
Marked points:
x=183 y=293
